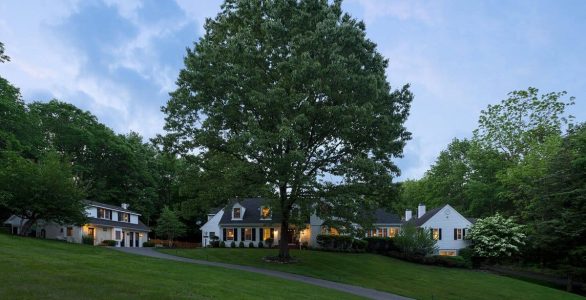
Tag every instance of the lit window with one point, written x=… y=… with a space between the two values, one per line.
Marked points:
x=334 y=231
x=230 y=234
x=393 y=231
x=248 y=234
x=447 y=253
x=436 y=234
x=236 y=213
x=266 y=233
x=385 y=232
x=265 y=213
x=123 y=217
x=104 y=213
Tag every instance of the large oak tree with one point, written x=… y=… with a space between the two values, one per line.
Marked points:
x=292 y=90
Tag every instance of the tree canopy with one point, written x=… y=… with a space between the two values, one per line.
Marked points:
x=295 y=92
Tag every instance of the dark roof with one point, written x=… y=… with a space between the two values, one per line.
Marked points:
x=251 y=213
x=110 y=223
x=110 y=206
x=383 y=217
x=425 y=217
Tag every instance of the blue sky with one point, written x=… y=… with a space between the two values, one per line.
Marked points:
x=119 y=59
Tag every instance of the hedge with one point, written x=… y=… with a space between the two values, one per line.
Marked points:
x=380 y=245
x=110 y=243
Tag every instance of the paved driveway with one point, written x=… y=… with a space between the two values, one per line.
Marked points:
x=352 y=289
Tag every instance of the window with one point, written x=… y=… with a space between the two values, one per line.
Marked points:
x=105 y=229
x=248 y=234
x=458 y=234
x=104 y=213
x=436 y=233
x=230 y=234
x=236 y=213
x=447 y=252
x=393 y=231
x=123 y=217
x=334 y=231
x=69 y=231
x=265 y=213
x=266 y=233
x=385 y=232
x=212 y=234
x=118 y=235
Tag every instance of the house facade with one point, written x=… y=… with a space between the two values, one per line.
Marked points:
x=250 y=220
x=105 y=222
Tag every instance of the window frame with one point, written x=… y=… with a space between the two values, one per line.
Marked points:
x=228 y=231
x=248 y=234
x=239 y=213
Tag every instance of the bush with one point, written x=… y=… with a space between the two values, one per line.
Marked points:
x=260 y=245
x=269 y=242
x=305 y=245
x=380 y=245
x=413 y=241
x=359 y=244
x=215 y=241
x=87 y=240
x=435 y=260
x=110 y=243
x=334 y=242
x=223 y=244
x=241 y=244
x=233 y=244
x=148 y=244
x=251 y=245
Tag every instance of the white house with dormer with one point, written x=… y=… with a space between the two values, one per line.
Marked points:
x=104 y=222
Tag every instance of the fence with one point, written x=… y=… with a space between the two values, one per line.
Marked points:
x=175 y=244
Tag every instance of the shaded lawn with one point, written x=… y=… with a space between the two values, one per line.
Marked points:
x=41 y=269
x=386 y=274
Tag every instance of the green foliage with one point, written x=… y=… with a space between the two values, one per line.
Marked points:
x=290 y=91
x=169 y=225
x=413 y=241
x=380 y=245
x=496 y=237
x=109 y=243
x=43 y=190
x=87 y=240
x=233 y=244
x=148 y=244
x=269 y=242
x=260 y=245
x=251 y=245
x=334 y=242
x=241 y=244
x=223 y=244
x=359 y=244
x=3 y=57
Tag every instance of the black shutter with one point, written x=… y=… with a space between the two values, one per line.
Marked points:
x=440 y=234
x=272 y=233
x=455 y=234
x=463 y=232
x=224 y=234
x=253 y=234
x=242 y=234
x=235 y=234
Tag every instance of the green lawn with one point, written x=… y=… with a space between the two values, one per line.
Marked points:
x=388 y=274
x=40 y=269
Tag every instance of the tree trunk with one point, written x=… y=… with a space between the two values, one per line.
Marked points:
x=283 y=239
x=26 y=227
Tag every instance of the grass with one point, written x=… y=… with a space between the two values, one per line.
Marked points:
x=41 y=269
x=387 y=274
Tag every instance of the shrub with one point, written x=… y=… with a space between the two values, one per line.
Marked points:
x=148 y=244
x=110 y=243
x=334 y=242
x=415 y=241
x=305 y=245
x=87 y=239
x=379 y=245
x=359 y=244
x=496 y=237
x=241 y=244
x=435 y=260
x=233 y=244
x=269 y=242
x=260 y=245
x=251 y=245
x=215 y=241
x=223 y=244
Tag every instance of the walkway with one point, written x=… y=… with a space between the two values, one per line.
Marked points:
x=352 y=289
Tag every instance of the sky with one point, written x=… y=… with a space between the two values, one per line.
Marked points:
x=120 y=59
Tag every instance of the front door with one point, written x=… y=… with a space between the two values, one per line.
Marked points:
x=136 y=239
x=291 y=236
x=122 y=244
x=131 y=242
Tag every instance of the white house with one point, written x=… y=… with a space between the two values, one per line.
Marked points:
x=446 y=225
x=105 y=222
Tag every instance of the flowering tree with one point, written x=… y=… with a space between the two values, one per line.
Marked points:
x=496 y=236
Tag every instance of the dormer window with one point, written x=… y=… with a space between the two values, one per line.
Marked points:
x=265 y=212
x=104 y=213
x=236 y=213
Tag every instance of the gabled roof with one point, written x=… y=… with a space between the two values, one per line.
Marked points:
x=109 y=206
x=251 y=213
x=109 y=223
x=381 y=216
x=428 y=215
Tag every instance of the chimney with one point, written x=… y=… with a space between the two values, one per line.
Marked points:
x=420 y=210
x=408 y=215
x=124 y=205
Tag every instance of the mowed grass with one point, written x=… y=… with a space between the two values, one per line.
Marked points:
x=387 y=274
x=41 y=269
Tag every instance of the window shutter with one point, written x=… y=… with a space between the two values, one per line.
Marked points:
x=235 y=234
x=242 y=234
x=224 y=234
x=272 y=233
x=440 y=234
x=455 y=234
x=253 y=234
x=463 y=232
